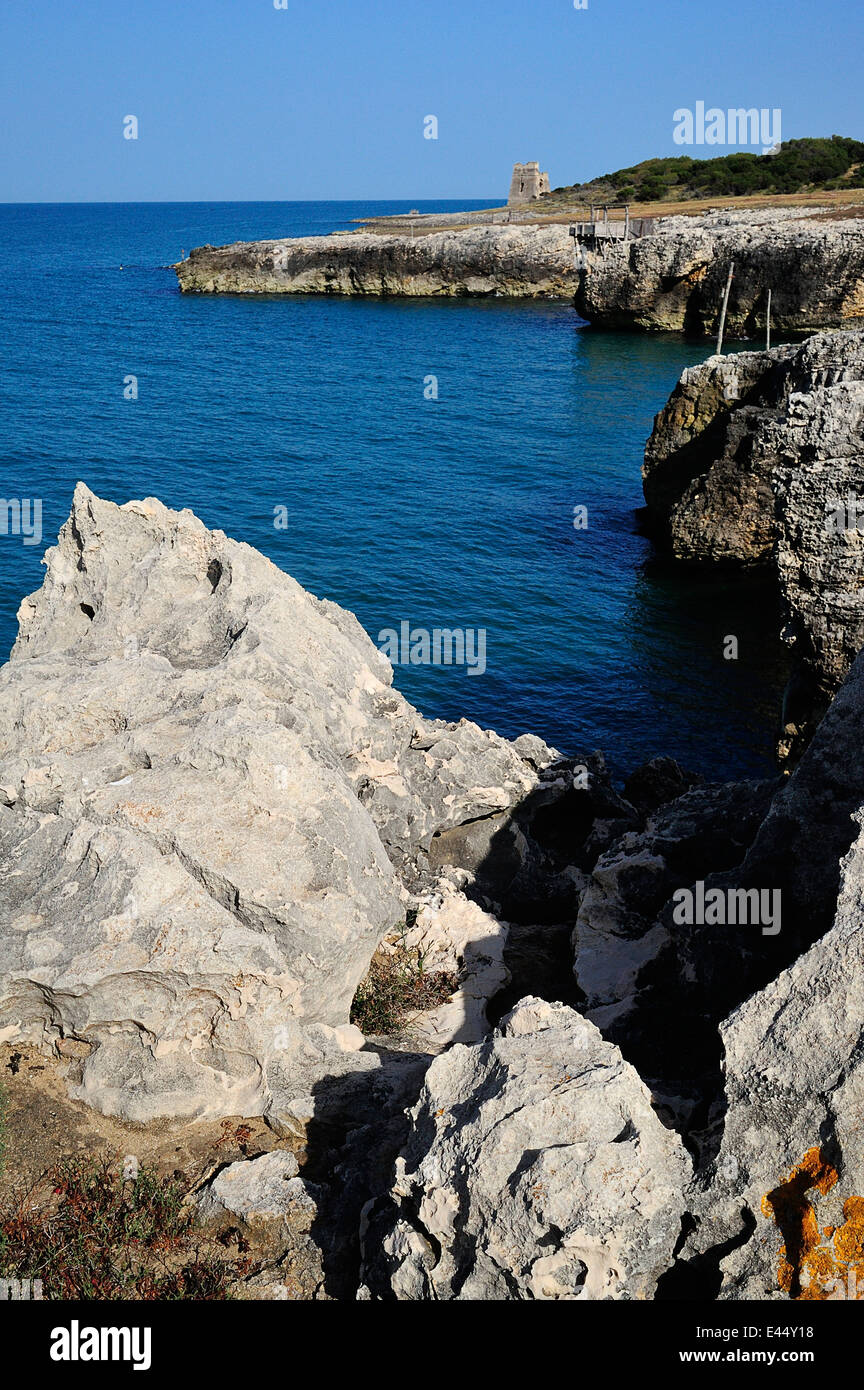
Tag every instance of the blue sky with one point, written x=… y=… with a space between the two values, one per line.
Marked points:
x=326 y=99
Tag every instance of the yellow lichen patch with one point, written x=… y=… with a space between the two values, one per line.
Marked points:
x=849 y=1238
x=816 y=1265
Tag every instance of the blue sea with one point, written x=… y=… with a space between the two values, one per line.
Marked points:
x=453 y=512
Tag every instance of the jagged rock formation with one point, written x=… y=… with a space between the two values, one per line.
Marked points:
x=207 y=786
x=791 y=1158
x=620 y=931
x=758 y=460
x=675 y=280
x=780 y=1211
x=781 y=1079
x=213 y=806
x=522 y=261
x=493 y=1194
x=660 y=988
x=535 y=1169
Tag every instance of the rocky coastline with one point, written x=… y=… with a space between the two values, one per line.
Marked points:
x=757 y=462
x=674 y=281
x=215 y=809
x=812 y=261
x=518 y=261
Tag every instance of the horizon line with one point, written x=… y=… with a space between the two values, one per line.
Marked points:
x=188 y=202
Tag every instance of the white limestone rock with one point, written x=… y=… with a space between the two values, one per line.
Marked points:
x=253 y=1189
x=535 y=1169
x=457 y=937
x=795 y=1098
x=206 y=785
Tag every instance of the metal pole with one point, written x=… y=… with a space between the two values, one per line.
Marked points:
x=725 y=307
x=768 y=324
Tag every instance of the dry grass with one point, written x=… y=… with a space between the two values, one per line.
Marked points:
x=3 y=1139
x=841 y=202
x=397 y=985
x=88 y=1233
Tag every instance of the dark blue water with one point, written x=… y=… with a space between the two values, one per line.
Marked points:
x=455 y=512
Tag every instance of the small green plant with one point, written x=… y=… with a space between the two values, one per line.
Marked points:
x=396 y=985
x=94 y=1235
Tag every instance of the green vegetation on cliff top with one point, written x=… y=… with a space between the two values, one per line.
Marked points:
x=797 y=166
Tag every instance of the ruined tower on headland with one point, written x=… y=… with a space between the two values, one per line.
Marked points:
x=527 y=183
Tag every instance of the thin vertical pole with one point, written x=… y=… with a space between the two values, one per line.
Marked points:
x=768 y=324
x=725 y=307
x=627 y=222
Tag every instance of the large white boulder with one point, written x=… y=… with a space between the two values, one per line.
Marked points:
x=207 y=785
x=535 y=1168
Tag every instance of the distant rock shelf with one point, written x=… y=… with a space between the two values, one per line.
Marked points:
x=672 y=280
x=517 y=261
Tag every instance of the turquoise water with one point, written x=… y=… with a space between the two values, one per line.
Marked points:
x=455 y=512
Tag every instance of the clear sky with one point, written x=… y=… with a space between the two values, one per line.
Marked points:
x=326 y=98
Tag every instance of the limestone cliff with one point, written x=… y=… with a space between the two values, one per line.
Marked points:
x=675 y=279
x=672 y=279
x=758 y=460
x=522 y=261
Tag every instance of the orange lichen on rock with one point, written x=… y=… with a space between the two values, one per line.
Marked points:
x=811 y=1268
x=849 y=1238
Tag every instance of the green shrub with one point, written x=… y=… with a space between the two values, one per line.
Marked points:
x=797 y=165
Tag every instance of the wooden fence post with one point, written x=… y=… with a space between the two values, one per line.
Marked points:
x=725 y=307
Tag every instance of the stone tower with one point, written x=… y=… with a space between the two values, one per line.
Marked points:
x=527 y=183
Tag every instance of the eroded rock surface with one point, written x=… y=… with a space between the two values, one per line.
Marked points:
x=525 y=262
x=535 y=1169
x=213 y=806
x=207 y=787
x=621 y=928
x=789 y=1178
x=661 y=987
x=675 y=279
x=456 y=937
x=255 y=1189
x=758 y=460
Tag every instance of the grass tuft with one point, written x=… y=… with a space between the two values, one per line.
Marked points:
x=95 y=1236
x=396 y=985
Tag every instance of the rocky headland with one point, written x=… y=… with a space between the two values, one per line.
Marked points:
x=215 y=810
x=812 y=260
x=519 y=261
